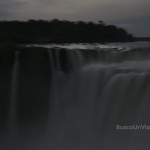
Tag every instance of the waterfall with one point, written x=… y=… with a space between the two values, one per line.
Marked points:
x=86 y=97
x=12 y=123
x=14 y=89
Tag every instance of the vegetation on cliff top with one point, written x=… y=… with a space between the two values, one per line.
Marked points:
x=57 y=31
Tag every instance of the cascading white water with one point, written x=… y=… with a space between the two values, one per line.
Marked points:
x=96 y=98
x=14 y=90
x=12 y=123
x=94 y=112
x=87 y=98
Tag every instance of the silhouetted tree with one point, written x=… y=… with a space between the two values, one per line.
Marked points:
x=60 y=31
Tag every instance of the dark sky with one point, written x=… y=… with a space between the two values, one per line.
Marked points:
x=133 y=15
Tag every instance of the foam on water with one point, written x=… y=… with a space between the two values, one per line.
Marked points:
x=97 y=46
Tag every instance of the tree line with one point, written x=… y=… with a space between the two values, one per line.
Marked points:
x=61 y=31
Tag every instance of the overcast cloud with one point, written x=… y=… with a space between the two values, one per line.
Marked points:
x=133 y=15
